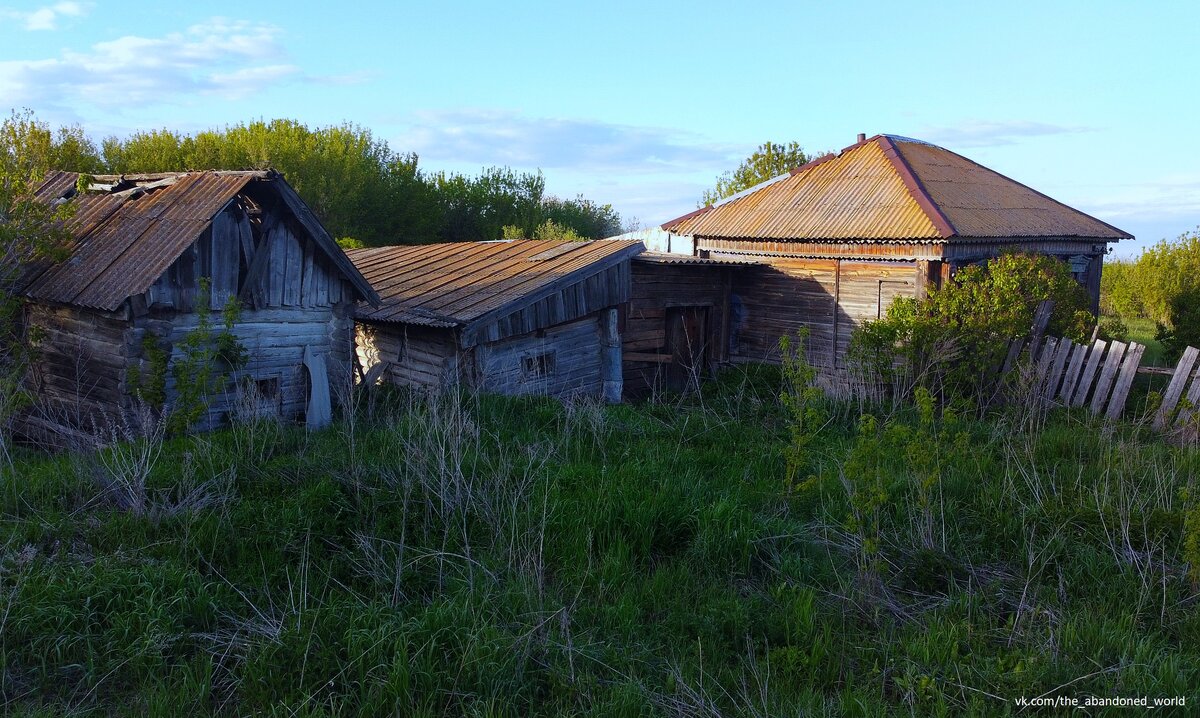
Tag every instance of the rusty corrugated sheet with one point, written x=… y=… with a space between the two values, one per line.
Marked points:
x=982 y=203
x=457 y=283
x=124 y=242
x=667 y=258
x=891 y=188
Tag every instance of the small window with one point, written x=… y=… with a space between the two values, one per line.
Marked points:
x=267 y=388
x=535 y=365
x=401 y=347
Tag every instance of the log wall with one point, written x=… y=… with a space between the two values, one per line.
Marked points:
x=411 y=355
x=829 y=297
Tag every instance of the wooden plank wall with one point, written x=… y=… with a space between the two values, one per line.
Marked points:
x=80 y=370
x=657 y=287
x=412 y=355
x=502 y=366
x=607 y=288
x=275 y=340
x=270 y=264
x=829 y=297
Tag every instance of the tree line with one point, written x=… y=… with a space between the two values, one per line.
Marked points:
x=355 y=182
x=1161 y=285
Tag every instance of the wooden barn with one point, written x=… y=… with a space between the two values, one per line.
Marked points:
x=511 y=317
x=145 y=248
x=839 y=238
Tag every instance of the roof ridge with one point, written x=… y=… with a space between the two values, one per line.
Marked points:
x=915 y=187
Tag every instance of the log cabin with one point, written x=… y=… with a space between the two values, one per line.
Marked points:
x=148 y=252
x=841 y=237
x=508 y=317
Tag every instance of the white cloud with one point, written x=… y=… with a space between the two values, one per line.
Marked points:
x=47 y=16
x=499 y=137
x=992 y=133
x=221 y=57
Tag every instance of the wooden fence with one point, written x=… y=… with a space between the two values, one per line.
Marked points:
x=1099 y=375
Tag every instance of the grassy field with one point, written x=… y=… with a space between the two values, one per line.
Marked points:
x=1142 y=331
x=510 y=557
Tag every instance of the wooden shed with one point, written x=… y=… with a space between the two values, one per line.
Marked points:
x=144 y=248
x=839 y=238
x=510 y=317
x=676 y=327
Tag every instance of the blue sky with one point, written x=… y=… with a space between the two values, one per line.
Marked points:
x=643 y=104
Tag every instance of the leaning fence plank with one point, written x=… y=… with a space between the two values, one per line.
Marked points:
x=1100 y=396
x=1128 y=371
x=1041 y=319
x=1014 y=351
x=1174 y=391
x=1043 y=364
x=1065 y=347
x=1072 y=375
x=1089 y=372
x=1193 y=400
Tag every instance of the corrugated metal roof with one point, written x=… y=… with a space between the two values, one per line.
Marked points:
x=457 y=283
x=131 y=231
x=891 y=188
x=667 y=258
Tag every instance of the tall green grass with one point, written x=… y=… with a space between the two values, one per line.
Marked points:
x=484 y=556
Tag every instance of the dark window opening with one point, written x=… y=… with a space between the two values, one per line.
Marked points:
x=538 y=364
x=267 y=388
x=402 y=348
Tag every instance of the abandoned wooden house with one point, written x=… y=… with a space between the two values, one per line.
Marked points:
x=839 y=238
x=148 y=252
x=509 y=317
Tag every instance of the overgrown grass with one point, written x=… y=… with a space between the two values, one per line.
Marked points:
x=497 y=557
x=1143 y=331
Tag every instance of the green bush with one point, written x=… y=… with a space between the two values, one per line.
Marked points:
x=1143 y=288
x=953 y=340
x=1183 y=324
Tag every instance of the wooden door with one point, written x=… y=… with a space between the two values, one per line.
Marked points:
x=687 y=343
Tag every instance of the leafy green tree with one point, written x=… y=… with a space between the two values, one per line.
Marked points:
x=30 y=231
x=1183 y=324
x=769 y=160
x=1145 y=287
x=548 y=230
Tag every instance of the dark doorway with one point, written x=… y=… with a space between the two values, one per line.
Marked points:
x=687 y=343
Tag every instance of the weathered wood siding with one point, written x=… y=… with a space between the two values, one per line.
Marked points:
x=828 y=297
x=80 y=367
x=554 y=305
x=658 y=287
x=516 y=365
x=275 y=340
x=412 y=355
x=267 y=263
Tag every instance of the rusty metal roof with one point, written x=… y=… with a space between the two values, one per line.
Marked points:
x=667 y=258
x=889 y=188
x=454 y=284
x=128 y=230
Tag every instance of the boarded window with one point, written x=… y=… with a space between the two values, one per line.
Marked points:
x=535 y=365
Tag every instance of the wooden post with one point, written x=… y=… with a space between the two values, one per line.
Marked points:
x=610 y=357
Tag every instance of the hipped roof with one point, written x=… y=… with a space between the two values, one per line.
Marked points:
x=128 y=229
x=890 y=188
